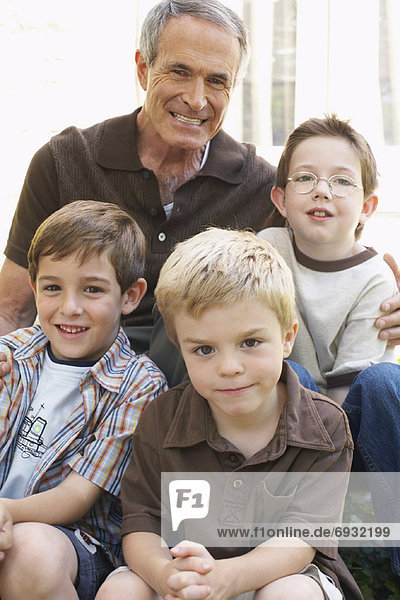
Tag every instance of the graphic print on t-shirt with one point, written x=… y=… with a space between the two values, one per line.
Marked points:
x=30 y=438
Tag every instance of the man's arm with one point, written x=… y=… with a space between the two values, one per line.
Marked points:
x=17 y=304
x=389 y=324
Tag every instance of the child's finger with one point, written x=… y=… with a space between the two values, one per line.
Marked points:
x=192 y=592
x=193 y=563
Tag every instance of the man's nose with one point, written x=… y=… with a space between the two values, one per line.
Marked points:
x=195 y=95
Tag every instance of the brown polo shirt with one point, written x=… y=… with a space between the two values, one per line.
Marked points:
x=177 y=433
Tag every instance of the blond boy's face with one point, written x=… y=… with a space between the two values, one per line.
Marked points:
x=234 y=355
x=324 y=225
x=79 y=305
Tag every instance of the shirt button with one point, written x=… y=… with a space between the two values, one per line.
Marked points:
x=233 y=458
x=146 y=174
x=153 y=212
x=162 y=237
x=237 y=483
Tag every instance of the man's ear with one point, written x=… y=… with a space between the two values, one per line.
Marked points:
x=278 y=198
x=141 y=69
x=289 y=338
x=133 y=296
x=369 y=207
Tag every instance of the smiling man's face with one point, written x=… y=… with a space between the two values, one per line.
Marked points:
x=188 y=87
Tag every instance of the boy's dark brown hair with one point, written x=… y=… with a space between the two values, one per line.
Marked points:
x=330 y=126
x=89 y=228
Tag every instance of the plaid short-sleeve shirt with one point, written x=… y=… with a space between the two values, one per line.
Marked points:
x=95 y=440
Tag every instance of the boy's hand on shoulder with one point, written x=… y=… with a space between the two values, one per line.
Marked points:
x=198 y=574
x=6 y=529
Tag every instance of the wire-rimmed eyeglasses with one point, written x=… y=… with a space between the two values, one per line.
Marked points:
x=341 y=186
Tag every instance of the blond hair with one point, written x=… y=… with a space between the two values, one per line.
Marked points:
x=223 y=266
x=89 y=228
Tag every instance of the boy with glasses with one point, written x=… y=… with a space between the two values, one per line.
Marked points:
x=325 y=188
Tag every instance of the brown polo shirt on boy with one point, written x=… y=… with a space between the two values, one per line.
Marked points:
x=177 y=433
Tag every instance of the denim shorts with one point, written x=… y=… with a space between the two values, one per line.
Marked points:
x=93 y=564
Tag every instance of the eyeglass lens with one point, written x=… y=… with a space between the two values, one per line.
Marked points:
x=340 y=185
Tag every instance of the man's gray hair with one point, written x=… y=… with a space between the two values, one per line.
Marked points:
x=208 y=10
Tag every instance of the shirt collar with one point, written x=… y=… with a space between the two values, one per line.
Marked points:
x=300 y=423
x=118 y=151
x=108 y=371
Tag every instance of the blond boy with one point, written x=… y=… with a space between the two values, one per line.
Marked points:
x=70 y=404
x=227 y=299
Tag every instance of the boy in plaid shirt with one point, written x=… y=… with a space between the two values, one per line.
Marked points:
x=70 y=404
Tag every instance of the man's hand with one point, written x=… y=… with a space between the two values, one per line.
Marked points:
x=389 y=324
x=6 y=530
x=4 y=367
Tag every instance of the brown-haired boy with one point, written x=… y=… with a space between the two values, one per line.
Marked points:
x=70 y=404
x=326 y=189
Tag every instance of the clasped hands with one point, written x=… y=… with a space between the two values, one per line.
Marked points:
x=194 y=574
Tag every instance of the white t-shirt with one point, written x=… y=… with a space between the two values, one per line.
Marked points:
x=57 y=395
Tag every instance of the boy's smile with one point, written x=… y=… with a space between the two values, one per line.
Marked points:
x=234 y=355
x=79 y=305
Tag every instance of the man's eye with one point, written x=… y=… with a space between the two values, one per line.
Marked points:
x=250 y=343
x=178 y=72
x=217 y=83
x=204 y=350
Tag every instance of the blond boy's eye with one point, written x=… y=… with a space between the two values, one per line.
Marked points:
x=250 y=343
x=204 y=350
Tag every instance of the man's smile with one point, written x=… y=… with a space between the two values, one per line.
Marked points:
x=184 y=119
